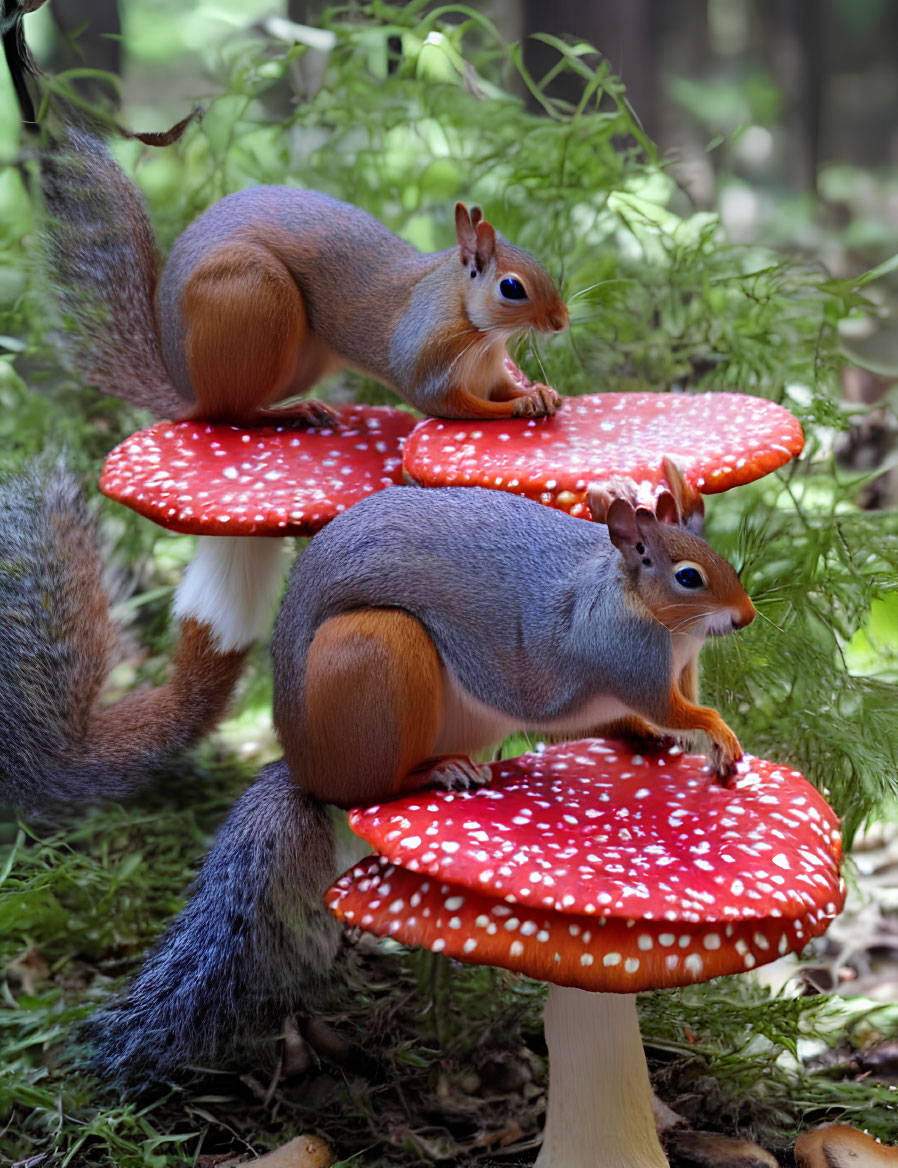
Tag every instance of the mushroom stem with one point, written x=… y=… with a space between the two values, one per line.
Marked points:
x=599 y=1110
x=231 y=585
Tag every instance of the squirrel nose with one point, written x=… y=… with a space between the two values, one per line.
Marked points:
x=558 y=320
x=744 y=615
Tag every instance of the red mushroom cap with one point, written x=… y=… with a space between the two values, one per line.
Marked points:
x=589 y=866
x=213 y=479
x=719 y=440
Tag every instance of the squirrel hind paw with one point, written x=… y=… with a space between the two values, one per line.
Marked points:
x=307 y=415
x=458 y=774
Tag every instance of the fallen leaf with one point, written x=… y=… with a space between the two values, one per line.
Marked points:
x=303 y=1152
x=697 y=1149
x=842 y=1146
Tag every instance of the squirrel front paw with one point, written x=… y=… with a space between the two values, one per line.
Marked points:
x=540 y=401
x=725 y=752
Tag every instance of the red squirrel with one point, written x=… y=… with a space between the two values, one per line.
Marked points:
x=458 y=616
x=273 y=288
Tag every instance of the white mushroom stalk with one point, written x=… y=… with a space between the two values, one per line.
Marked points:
x=599 y=1108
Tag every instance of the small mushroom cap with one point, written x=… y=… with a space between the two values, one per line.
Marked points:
x=213 y=479
x=589 y=866
x=718 y=440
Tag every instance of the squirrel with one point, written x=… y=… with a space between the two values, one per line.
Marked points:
x=419 y=627
x=273 y=288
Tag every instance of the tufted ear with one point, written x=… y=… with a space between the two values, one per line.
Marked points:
x=476 y=237
x=625 y=535
x=689 y=501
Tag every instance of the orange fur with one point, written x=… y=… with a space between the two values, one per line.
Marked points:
x=245 y=324
x=682 y=714
x=535 y=402
x=176 y=714
x=688 y=681
x=371 y=708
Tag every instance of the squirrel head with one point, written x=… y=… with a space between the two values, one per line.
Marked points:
x=505 y=288
x=683 y=582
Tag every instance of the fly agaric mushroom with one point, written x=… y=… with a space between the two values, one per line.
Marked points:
x=719 y=440
x=213 y=479
x=603 y=873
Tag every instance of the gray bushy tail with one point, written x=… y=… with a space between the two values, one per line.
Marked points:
x=253 y=945
x=102 y=260
x=59 y=743
x=51 y=667
x=100 y=250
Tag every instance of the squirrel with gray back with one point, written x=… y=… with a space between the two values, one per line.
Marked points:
x=273 y=288
x=419 y=627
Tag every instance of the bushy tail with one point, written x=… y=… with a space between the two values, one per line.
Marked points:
x=58 y=744
x=102 y=259
x=253 y=945
x=100 y=249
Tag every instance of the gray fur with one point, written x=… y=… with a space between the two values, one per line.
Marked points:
x=47 y=687
x=58 y=643
x=524 y=604
x=353 y=273
x=255 y=942
x=253 y=945
x=101 y=252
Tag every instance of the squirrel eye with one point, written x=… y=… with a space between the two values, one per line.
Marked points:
x=689 y=577
x=512 y=289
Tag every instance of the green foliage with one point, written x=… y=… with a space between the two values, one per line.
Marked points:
x=735 y=1051
x=413 y=111
x=815 y=565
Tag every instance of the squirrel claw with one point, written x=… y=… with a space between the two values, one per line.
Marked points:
x=723 y=759
x=458 y=773
x=307 y=415
x=539 y=401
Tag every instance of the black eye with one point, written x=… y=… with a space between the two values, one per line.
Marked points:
x=690 y=578
x=512 y=289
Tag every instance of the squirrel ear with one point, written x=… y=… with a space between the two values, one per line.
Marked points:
x=486 y=242
x=476 y=215
x=598 y=500
x=621 y=520
x=635 y=533
x=465 y=234
x=666 y=509
x=688 y=499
